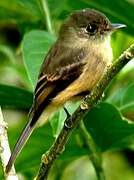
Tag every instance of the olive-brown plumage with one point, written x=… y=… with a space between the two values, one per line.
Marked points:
x=72 y=67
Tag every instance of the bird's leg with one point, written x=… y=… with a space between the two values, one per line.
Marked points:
x=66 y=111
x=68 y=121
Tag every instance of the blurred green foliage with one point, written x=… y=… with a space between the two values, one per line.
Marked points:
x=24 y=42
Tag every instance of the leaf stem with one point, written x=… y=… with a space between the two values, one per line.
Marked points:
x=46 y=14
x=123 y=107
x=95 y=156
x=89 y=102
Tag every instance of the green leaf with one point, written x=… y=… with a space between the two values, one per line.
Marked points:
x=108 y=129
x=19 y=10
x=22 y=74
x=57 y=122
x=54 y=9
x=35 y=46
x=116 y=96
x=118 y=45
x=14 y=97
x=127 y=101
x=123 y=98
x=31 y=6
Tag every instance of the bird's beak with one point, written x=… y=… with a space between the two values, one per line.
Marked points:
x=118 y=26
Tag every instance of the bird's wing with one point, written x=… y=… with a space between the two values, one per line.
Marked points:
x=61 y=67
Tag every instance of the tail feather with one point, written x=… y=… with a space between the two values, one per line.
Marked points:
x=19 y=145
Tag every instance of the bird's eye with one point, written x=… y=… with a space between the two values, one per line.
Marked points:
x=91 y=28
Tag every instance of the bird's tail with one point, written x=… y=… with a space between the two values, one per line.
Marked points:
x=19 y=145
x=34 y=120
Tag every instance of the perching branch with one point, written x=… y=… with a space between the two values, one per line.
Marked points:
x=89 y=102
x=5 y=150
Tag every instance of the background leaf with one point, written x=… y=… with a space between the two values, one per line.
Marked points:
x=108 y=128
x=123 y=98
x=19 y=10
x=35 y=46
x=57 y=121
x=127 y=101
x=14 y=97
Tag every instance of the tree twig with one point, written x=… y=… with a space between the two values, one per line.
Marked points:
x=5 y=149
x=89 y=102
x=46 y=14
x=95 y=156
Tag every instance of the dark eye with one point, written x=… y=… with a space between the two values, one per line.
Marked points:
x=91 y=28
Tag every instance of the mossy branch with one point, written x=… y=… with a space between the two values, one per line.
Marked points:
x=88 y=102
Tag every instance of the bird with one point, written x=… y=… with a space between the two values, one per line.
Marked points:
x=72 y=67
